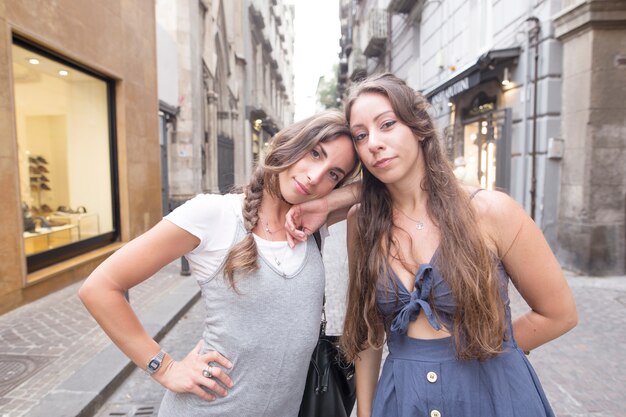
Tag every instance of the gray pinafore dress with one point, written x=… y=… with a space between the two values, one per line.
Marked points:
x=268 y=331
x=423 y=378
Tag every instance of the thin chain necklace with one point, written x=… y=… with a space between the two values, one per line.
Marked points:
x=267 y=229
x=268 y=235
x=419 y=225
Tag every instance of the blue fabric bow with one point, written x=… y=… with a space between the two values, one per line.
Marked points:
x=417 y=302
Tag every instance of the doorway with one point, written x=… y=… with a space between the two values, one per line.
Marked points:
x=486 y=148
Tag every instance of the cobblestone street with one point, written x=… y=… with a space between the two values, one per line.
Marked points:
x=52 y=341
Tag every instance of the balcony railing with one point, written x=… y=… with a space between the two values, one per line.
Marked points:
x=376 y=34
x=401 y=6
x=357 y=65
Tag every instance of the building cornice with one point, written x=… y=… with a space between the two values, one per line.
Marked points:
x=589 y=13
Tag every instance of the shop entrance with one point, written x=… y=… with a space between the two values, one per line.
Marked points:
x=167 y=131
x=64 y=117
x=480 y=145
x=225 y=163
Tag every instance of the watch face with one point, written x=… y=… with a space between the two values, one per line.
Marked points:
x=154 y=365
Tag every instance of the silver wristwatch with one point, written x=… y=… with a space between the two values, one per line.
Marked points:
x=155 y=363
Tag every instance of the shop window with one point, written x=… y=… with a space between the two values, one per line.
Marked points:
x=480 y=152
x=479 y=145
x=65 y=156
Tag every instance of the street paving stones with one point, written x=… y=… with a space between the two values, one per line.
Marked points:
x=63 y=340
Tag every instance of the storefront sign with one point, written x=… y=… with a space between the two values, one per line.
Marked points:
x=463 y=84
x=451 y=91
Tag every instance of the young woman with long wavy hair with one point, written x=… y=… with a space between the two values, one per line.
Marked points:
x=429 y=262
x=263 y=298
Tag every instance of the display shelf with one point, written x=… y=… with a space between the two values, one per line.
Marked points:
x=45 y=238
x=88 y=223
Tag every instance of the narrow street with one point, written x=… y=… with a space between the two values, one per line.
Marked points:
x=115 y=113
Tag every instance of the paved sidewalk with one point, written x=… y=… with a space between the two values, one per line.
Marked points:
x=56 y=361
x=584 y=371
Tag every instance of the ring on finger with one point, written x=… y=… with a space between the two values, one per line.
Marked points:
x=206 y=372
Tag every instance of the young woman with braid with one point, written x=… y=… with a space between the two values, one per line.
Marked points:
x=430 y=261
x=263 y=298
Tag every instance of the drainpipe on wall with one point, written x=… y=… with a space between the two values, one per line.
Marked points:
x=388 y=46
x=533 y=34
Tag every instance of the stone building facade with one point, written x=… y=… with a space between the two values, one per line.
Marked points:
x=529 y=99
x=234 y=89
x=115 y=112
x=592 y=212
x=79 y=156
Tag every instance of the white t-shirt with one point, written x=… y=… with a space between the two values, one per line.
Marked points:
x=214 y=223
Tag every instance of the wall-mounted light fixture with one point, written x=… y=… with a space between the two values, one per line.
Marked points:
x=505 y=77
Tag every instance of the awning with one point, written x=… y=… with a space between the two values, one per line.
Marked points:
x=484 y=69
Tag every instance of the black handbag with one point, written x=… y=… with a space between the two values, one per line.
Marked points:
x=330 y=386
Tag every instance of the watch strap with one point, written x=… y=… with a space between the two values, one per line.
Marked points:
x=155 y=363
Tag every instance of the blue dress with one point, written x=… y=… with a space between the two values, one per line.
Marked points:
x=423 y=377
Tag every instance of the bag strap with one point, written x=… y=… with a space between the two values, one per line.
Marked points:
x=323 y=322
x=473 y=194
x=318 y=242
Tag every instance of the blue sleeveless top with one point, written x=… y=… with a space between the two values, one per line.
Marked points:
x=401 y=307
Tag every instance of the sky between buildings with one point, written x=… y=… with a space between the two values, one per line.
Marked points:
x=316 y=49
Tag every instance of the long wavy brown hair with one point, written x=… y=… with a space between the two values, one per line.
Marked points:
x=464 y=260
x=286 y=148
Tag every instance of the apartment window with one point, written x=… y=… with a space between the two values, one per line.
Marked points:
x=65 y=156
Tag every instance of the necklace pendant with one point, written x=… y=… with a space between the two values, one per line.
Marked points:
x=419 y=226
x=277 y=261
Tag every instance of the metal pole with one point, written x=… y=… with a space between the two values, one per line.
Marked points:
x=388 y=45
x=185 y=270
x=533 y=182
